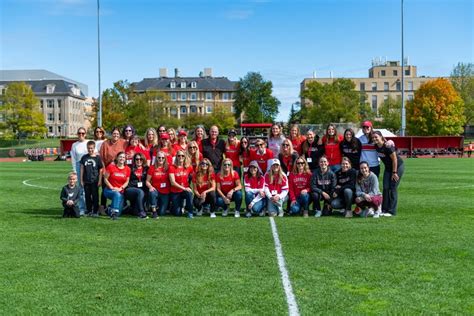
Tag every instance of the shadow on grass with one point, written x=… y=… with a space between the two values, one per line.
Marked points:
x=49 y=212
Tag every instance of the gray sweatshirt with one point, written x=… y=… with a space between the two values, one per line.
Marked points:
x=369 y=186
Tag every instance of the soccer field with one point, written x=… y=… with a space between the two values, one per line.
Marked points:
x=420 y=262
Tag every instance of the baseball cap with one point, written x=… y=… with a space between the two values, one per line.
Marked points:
x=232 y=131
x=367 y=123
x=165 y=136
x=182 y=133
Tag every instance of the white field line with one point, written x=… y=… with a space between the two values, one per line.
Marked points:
x=25 y=182
x=285 y=278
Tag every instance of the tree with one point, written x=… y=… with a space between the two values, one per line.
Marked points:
x=21 y=112
x=333 y=102
x=221 y=117
x=114 y=102
x=254 y=98
x=462 y=78
x=391 y=113
x=295 y=114
x=437 y=109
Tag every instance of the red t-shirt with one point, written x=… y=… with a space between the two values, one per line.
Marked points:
x=227 y=183
x=246 y=158
x=298 y=183
x=132 y=150
x=232 y=152
x=177 y=147
x=297 y=142
x=117 y=177
x=206 y=183
x=275 y=187
x=288 y=162
x=169 y=155
x=332 y=150
x=261 y=159
x=160 y=179
x=254 y=182
x=195 y=163
x=181 y=176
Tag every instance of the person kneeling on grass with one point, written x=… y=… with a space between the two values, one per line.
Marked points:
x=276 y=188
x=70 y=195
x=368 y=196
x=343 y=195
x=204 y=184
x=136 y=191
x=158 y=183
x=323 y=183
x=300 y=180
x=116 y=178
x=229 y=188
x=254 y=182
x=179 y=174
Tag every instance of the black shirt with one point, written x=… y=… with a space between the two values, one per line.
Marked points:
x=215 y=153
x=346 y=180
x=92 y=166
x=312 y=151
x=352 y=152
x=384 y=155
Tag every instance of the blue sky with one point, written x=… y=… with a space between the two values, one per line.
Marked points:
x=283 y=40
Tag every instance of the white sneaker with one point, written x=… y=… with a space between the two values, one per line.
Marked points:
x=261 y=214
x=199 y=213
x=225 y=213
x=237 y=214
x=377 y=214
x=213 y=215
x=387 y=214
x=370 y=212
x=281 y=213
x=318 y=214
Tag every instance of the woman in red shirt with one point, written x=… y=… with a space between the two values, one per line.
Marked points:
x=204 y=184
x=173 y=137
x=332 y=149
x=229 y=188
x=151 y=139
x=133 y=148
x=158 y=183
x=296 y=139
x=182 y=142
x=287 y=156
x=254 y=182
x=244 y=153
x=262 y=155
x=276 y=188
x=194 y=154
x=164 y=145
x=199 y=135
x=232 y=150
x=179 y=174
x=300 y=187
x=116 y=179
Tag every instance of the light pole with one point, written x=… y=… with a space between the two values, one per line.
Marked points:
x=402 y=131
x=99 y=116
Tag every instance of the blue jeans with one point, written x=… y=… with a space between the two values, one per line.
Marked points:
x=136 y=196
x=276 y=207
x=177 y=200
x=390 y=190
x=82 y=196
x=159 y=201
x=259 y=206
x=302 y=202
x=236 y=197
x=343 y=200
x=117 y=200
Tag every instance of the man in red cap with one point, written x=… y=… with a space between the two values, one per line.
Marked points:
x=369 y=154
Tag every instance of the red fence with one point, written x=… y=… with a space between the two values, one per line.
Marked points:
x=433 y=144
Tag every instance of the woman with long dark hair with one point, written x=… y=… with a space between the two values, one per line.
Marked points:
x=331 y=141
x=136 y=190
x=368 y=196
x=116 y=178
x=312 y=150
x=343 y=195
x=254 y=183
x=351 y=147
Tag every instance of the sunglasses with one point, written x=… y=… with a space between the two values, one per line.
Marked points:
x=300 y=163
x=160 y=158
x=260 y=145
x=81 y=133
x=138 y=159
x=227 y=165
x=193 y=147
x=285 y=145
x=180 y=156
x=161 y=131
x=128 y=130
x=204 y=164
x=99 y=132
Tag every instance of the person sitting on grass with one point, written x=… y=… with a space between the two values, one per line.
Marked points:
x=323 y=183
x=116 y=178
x=91 y=178
x=343 y=195
x=300 y=189
x=276 y=188
x=254 y=183
x=368 y=196
x=158 y=183
x=204 y=184
x=70 y=196
x=229 y=188
x=179 y=174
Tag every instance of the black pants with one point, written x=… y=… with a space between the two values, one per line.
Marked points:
x=317 y=197
x=91 y=190
x=375 y=170
x=209 y=200
x=71 y=211
x=136 y=196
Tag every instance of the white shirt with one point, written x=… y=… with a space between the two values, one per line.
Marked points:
x=78 y=150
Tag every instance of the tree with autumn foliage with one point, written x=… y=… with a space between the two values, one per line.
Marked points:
x=437 y=109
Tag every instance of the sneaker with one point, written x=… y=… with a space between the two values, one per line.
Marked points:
x=155 y=215
x=348 y=214
x=199 y=213
x=377 y=214
x=305 y=214
x=261 y=214
x=142 y=215
x=95 y=215
x=213 y=215
x=272 y=214
x=370 y=212
x=207 y=210
x=386 y=214
x=281 y=213
x=225 y=213
x=248 y=214
x=318 y=214
x=190 y=215
x=237 y=214
x=114 y=216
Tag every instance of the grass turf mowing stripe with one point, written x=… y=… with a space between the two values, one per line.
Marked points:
x=285 y=277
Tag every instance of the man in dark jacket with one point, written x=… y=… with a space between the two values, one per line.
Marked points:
x=213 y=148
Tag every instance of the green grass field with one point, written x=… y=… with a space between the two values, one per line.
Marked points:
x=420 y=262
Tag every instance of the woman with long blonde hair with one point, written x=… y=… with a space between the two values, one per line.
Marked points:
x=229 y=188
x=204 y=184
x=276 y=188
x=194 y=154
x=179 y=174
x=299 y=187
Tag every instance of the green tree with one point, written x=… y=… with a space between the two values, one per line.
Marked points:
x=221 y=117
x=332 y=102
x=462 y=78
x=391 y=114
x=437 y=109
x=254 y=98
x=114 y=103
x=295 y=113
x=21 y=112
x=146 y=109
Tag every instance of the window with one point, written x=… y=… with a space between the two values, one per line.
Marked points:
x=183 y=85
x=208 y=95
x=225 y=96
x=59 y=129
x=184 y=109
x=410 y=97
x=193 y=84
x=59 y=103
x=50 y=117
x=2 y=90
x=50 y=88
x=50 y=129
x=173 y=111
x=172 y=85
x=385 y=86
x=362 y=86
x=399 y=86
x=374 y=86
x=59 y=116
x=193 y=96
x=232 y=109
x=183 y=96
x=193 y=109
x=382 y=73
x=410 y=85
x=173 y=96
x=395 y=72
x=374 y=103
x=407 y=72
x=50 y=103
x=41 y=104
x=209 y=109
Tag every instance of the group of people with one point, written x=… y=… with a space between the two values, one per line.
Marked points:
x=170 y=172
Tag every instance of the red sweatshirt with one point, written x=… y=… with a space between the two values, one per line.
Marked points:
x=332 y=150
x=298 y=183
